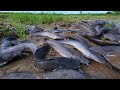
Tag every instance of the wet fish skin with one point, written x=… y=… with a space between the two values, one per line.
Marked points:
x=102 y=43
x=19 y=75
x=41 y=52
x=100 y=22
x=9 y=41
x=48 y=34
x=33 y=29
x=10 y=53
x=65 y=74
x=85 y=50
x=53 y=63
x=113 y=37
x=65 y=52
x=101 y=30
x=57 y=63
x=106 y=50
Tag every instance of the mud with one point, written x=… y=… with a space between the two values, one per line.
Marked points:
x=26 y=64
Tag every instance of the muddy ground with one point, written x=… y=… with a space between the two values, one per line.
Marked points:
x=25 y=64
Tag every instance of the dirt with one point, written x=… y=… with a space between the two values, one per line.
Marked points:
x=26 y=64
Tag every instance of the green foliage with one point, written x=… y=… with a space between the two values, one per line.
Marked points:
x=116 y=12
x=36 y=18
x=20 y=31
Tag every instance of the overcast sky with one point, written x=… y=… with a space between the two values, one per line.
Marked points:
x=64 y=12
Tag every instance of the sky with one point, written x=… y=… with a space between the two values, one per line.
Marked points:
x=64 y=12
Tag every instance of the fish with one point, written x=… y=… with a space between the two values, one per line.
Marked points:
x=50 y=64
x=100 y=22
x=113 y=37
x=84 y=48
x=102 y=43
x=19 y=75
x=89 y=53
x=33 y=29
x=48 y=34
x=106 y=50
x=10 y=53
x=101 y=30
x=65 y=52
x=65 y=74
x=9 y=41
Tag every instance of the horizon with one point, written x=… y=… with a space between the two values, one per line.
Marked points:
x=61 y=12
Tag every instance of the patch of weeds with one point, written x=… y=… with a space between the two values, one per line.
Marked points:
x=20 y=31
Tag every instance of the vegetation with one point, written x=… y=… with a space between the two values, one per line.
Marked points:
x=20 y=20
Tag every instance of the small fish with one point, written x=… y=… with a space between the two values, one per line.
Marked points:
x=49 y=34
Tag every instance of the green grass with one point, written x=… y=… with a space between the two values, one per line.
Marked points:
x=20 y=20
x=29 y=18
x=35 y=18
x=20 y=31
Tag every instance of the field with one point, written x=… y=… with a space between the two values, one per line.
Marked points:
x=20 y=21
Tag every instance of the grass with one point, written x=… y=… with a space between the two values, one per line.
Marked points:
x=20 y=31
x=20 y=20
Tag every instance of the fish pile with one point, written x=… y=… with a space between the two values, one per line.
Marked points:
x=103 y=33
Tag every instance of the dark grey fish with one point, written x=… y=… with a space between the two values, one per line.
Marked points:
x=101 y=30
x=65 y=74
x=65 y=52
x=107 y=50
x=100 y=22
x=93 y=30
x=89 y=53
x=10 y=53
x=19 y=75
x=113 y=37
x=102 y=43
x=9 y=41
x=53 y=63
x=82 y=47
x=34 y=29
x=57 y=63
x=49 y=34
x=80 y=39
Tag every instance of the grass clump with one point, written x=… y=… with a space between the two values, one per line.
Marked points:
x=20 y=32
